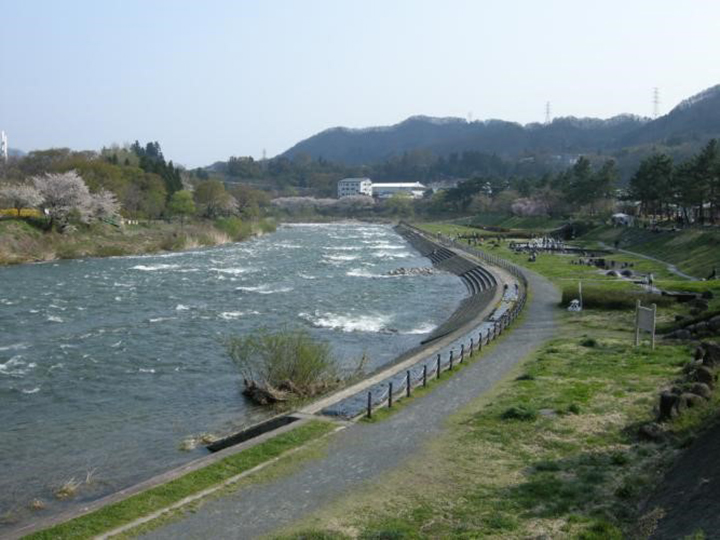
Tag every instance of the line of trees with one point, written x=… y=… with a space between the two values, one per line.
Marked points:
x=583 y=186
x=689 y=191
x=134 y=181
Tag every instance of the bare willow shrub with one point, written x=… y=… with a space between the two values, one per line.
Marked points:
x=287 y=361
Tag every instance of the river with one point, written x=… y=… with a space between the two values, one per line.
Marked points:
x=108 y=365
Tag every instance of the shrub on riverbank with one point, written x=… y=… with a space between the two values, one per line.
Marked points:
x=279 y=366
x=604 y=298
x=234 y=227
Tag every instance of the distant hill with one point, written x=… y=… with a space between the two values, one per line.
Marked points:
x=14 y=152
x=694 y=120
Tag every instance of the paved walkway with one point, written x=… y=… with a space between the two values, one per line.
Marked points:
x=671 y=267
x=364 y=452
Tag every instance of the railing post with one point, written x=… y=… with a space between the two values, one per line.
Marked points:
x=480 y=340
x=407 y=393
x=369 y=405
x=472 y=346
x=390 y=394
x=462 y=352
x=438 y=366
x=424 y=375
x=451 y=360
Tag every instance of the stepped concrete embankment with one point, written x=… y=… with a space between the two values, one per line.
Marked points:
x=494 y=294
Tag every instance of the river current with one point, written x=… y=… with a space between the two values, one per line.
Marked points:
x=108 y=365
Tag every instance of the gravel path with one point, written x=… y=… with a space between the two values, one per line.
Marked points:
x=364 y=452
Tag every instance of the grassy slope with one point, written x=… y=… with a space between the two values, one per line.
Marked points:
x=566 y=462
x=692 y=251
x=540 y=223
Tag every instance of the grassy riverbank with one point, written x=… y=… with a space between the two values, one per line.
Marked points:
x=24 y=242
x=555 y=451
x=163 y=496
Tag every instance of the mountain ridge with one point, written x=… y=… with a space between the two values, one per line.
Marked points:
x=695 y=118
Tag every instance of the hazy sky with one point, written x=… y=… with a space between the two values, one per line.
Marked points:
x=209 y=79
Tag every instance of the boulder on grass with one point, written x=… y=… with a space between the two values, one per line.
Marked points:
x=691 y=366
x=714 y=323
x=680 y=334
x=691 y=400
x=702 y=390
x=668 y=406
x=699 y=303
x=703 y=375
x=651 y=432
x=711 y=353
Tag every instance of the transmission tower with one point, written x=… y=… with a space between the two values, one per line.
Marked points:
x=3 y=146
x=548 y=115
x=656 y=102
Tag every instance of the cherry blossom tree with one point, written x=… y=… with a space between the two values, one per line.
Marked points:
x=64 y=195
x=104 y=204
x=19 y=196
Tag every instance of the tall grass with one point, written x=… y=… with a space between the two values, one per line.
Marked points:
x=289 y=360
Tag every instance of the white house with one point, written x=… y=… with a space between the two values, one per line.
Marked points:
x=414 y=189
x=355 y=186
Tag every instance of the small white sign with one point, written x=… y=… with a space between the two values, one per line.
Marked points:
x=645 y=320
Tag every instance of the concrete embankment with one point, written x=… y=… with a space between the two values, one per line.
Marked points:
x=493 y=295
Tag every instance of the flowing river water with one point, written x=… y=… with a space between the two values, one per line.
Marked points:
x=108 y=365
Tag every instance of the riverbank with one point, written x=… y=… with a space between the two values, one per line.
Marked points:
x=133 y=507
x=557 y=450
x=22 y=242
x=90 y=346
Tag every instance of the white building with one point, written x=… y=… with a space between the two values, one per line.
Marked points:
x=355 y=186
x=414 y=189
x=3 y=146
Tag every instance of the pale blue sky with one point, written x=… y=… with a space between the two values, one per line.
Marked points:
x=210 y=79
